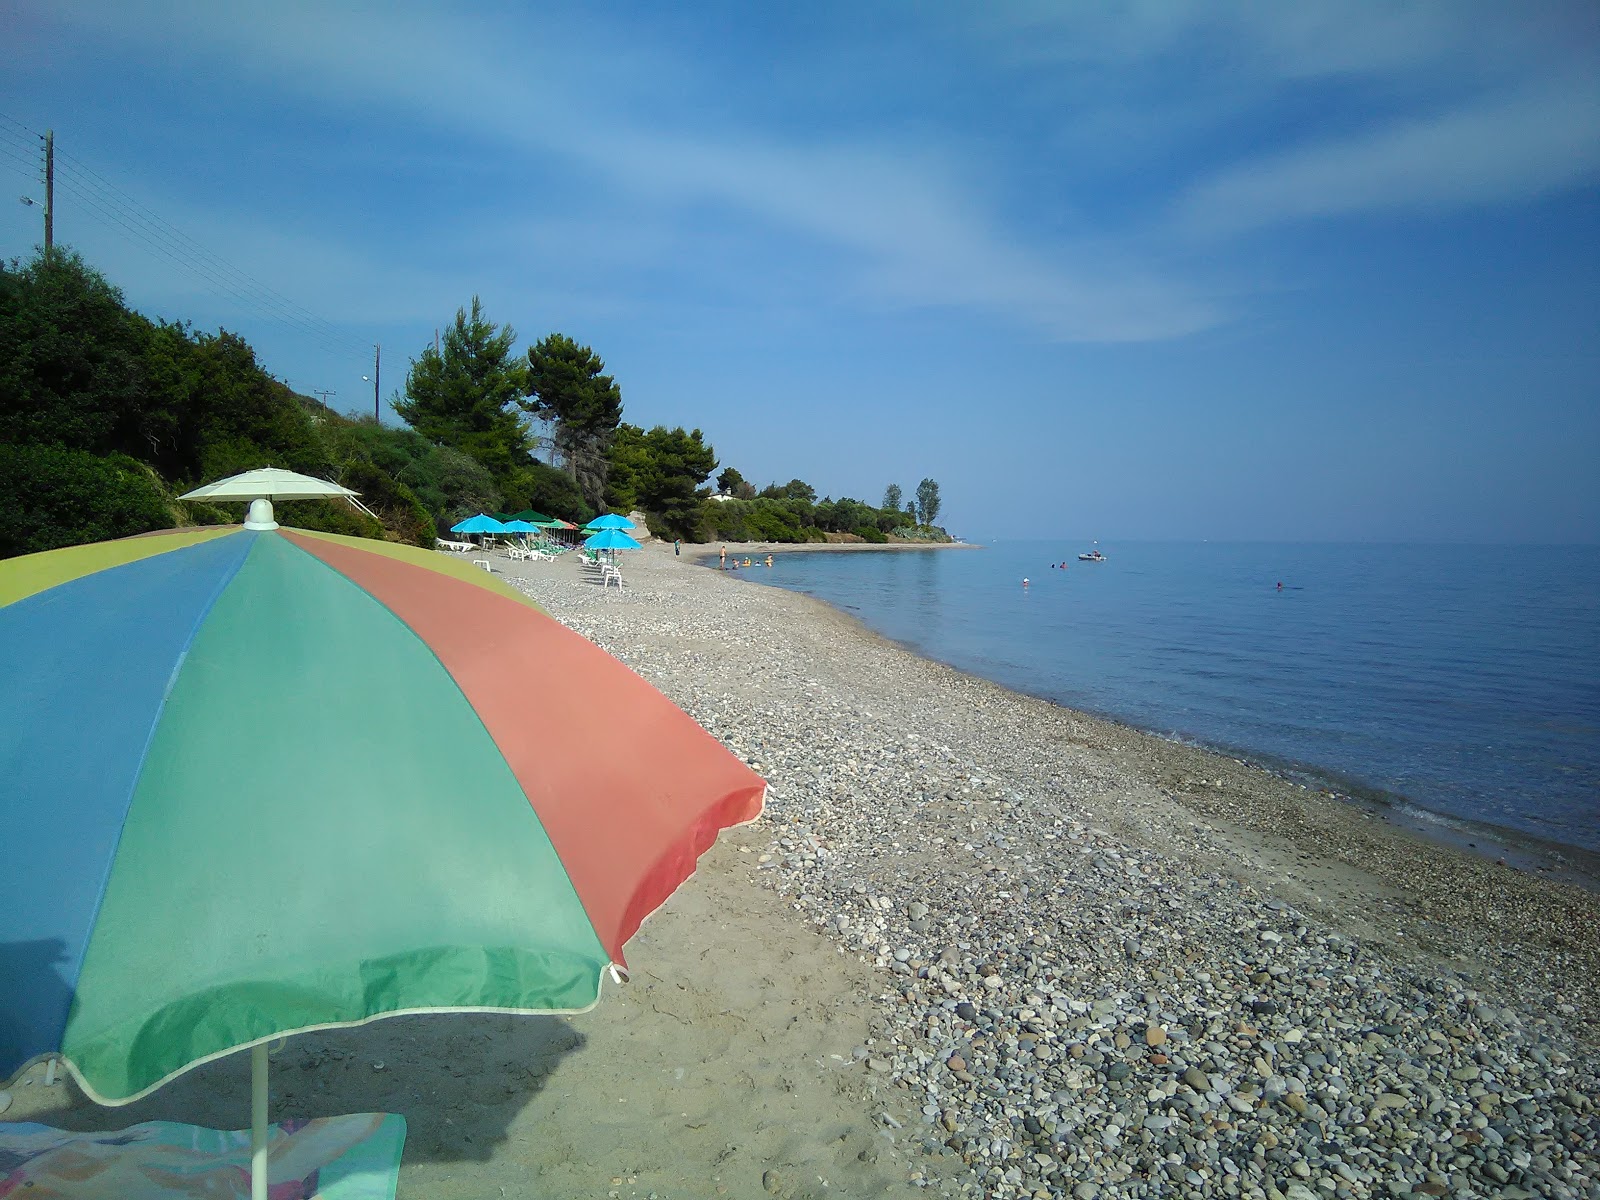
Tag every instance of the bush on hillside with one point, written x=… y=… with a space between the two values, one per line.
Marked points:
x=546 y=489
x=328 y=516
x=51 y=496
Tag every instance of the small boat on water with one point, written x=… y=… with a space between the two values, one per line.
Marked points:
x=1092 y=556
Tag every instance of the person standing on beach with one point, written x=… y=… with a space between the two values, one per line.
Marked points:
x=675 y=550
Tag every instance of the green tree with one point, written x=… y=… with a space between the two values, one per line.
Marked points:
x=70 y=356
x=545 y=489
x=630 y=469
x=464 y=395
x=662 y=472
x=892 y=497
x=570 y=389
x=683 y=462
x=53 y=496
x=240 y=416
x=100 y=408
x=795 y=489
x=927 y=502
x=728 y=482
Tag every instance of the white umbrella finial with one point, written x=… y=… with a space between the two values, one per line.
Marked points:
x=260 y=515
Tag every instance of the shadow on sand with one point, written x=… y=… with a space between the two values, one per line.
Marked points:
x=459 y=1079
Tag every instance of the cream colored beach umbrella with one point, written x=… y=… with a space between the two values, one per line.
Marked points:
x=267 y=484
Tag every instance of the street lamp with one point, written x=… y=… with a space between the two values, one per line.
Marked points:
x=377 y=364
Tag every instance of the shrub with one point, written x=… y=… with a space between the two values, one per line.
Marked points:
x=328 y=516
x=51 y=496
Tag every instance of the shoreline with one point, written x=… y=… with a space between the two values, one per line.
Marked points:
x=1504 y=846
x=703 y=556
x=1101 y=957
x=982 y=947
x=1253 y=806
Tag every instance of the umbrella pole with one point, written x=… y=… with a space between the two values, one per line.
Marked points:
x=258 y=1122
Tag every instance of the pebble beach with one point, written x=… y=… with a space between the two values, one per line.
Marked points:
x=1105 y=965
x=979 y=945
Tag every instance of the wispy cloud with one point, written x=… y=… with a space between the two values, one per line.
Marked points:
x=1491 y=151
x=897 y=225
x=1143 y=113
x=1398 y=107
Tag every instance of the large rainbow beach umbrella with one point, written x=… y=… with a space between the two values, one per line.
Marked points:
x=261 y=780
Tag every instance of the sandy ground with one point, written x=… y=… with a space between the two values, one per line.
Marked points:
x=723 y=1067
x=730 y=1063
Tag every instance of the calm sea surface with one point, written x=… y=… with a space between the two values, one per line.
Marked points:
x=1458 y=680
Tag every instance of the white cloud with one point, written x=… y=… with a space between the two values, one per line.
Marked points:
x=1387 y=107
x=1498 y=150
x=899 y=226
x=1308 y=39
x=1446 y=107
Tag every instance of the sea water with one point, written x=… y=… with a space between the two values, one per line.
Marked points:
x=1460 y=681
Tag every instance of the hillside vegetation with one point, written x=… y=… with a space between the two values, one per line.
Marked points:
x=106 y=417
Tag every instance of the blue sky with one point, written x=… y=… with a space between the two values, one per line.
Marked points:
x=1234 y=271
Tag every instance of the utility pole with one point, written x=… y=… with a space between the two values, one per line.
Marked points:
x=377 y=365
x=49 y=190
x=324 y=395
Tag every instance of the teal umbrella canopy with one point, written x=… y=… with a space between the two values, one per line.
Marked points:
x=611 y=539
x=531 y=516
x=516 y=526
x=482 y=523
x=610 y=521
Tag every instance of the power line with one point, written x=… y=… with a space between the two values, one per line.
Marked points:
x=18 y=124
x=93 y=206
x=140 y=214
x=17 y=139
x=22 y=153
x=109 y=203
x=162 y=246
x=27 y=163
x=27 y=150
x=172 y=243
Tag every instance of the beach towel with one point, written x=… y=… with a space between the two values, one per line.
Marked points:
x=353 y=1157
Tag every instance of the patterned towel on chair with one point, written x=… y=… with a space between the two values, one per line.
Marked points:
x=353 y=1157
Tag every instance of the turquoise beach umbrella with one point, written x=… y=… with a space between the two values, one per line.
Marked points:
x=482 y=523
x=610 y=539
x=610 y=521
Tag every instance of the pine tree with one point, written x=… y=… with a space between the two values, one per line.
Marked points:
x=463 y=394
